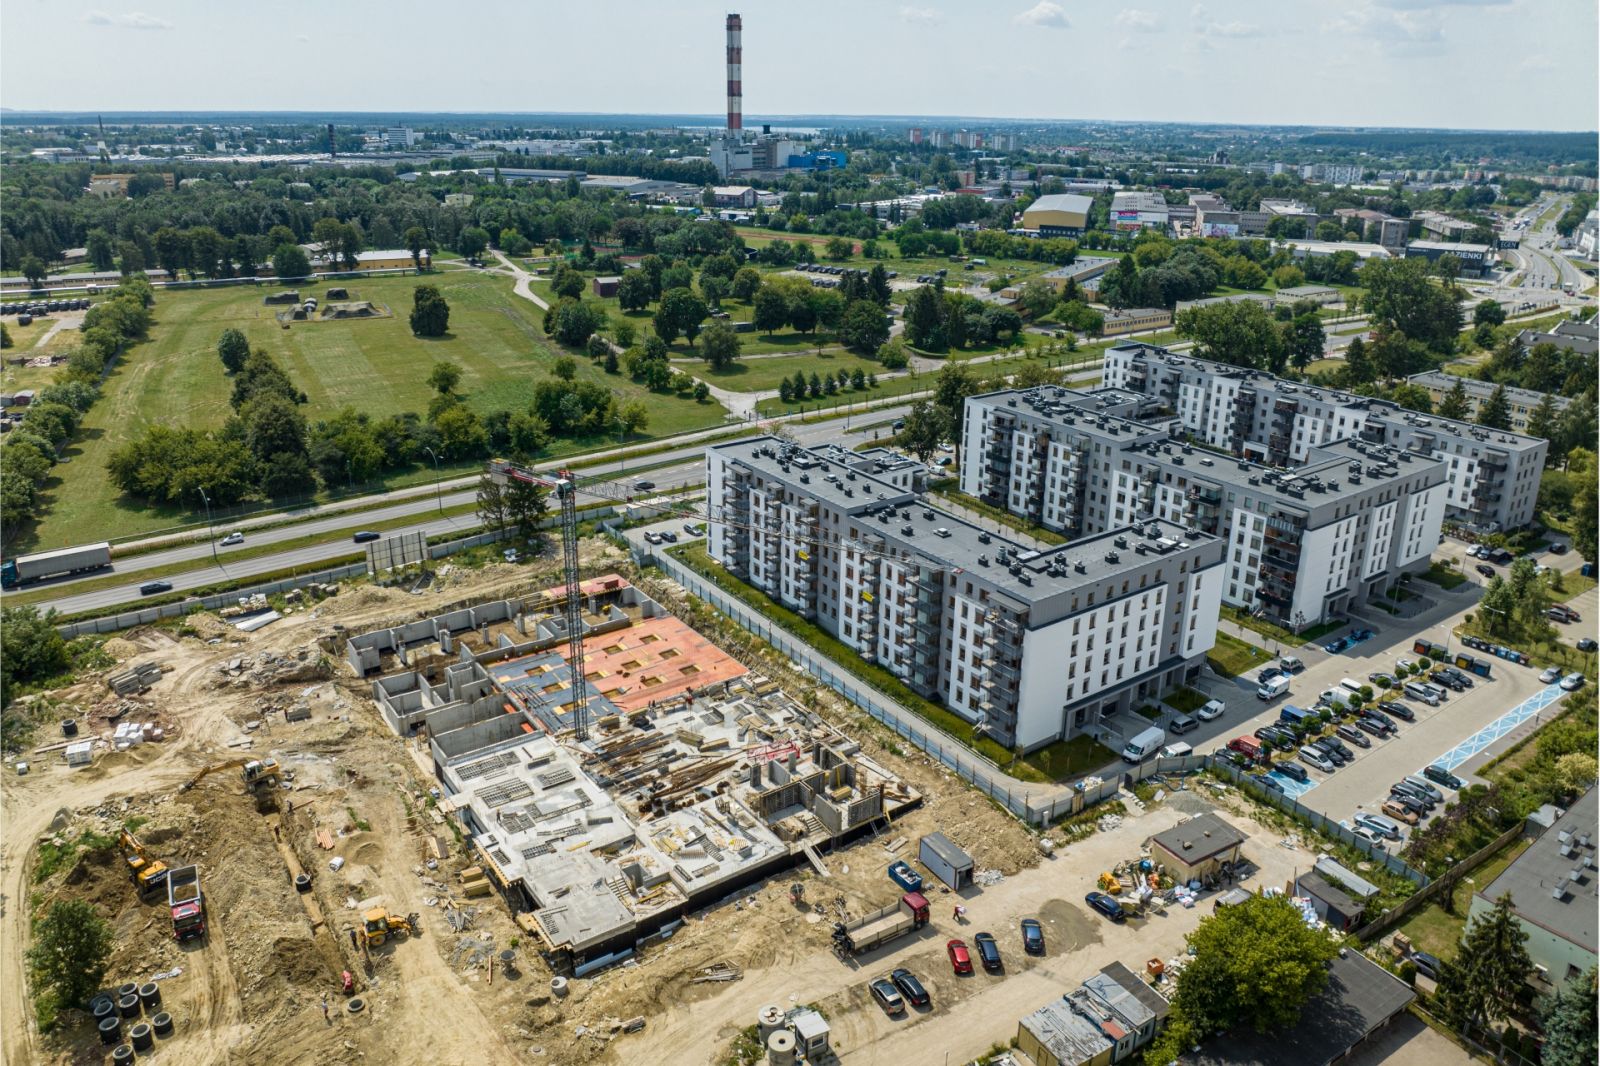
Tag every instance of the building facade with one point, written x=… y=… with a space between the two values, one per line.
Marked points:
x=1031 y=644
x=1492 y=476
x=1476 y=259
x=1520 y=401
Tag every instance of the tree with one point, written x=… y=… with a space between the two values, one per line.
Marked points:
x=1304 y=338
x=924 y=317
x=472 y=241
x=1255 y=963
x=1482 y=984
x=719 y=345
x=680 y=313
x=1488 y=312
x=1568 y=1018
x=233 y=349
x=878 y=284
x=746 y=283
x=565 y=367
x=1401 y=297
x=444 y=377
x=101 y=250
x=1239 y=332
x=634 y=291
x=892 y=355
x=1037 y=297
x=416 y=237
x=31 y=649
x=492 y=505
x=575 y=321
x=839 y=248
x=461 y=434
x=1576 y=772
x=1497 y=605
x=713 y=288
x=567 y=282
x=430 y=312
x=863 y=327
x=525 y=507
x=1455 y=403
x=1496 y=410
x=71 y=950
x=771 y=309
x=1288 y=276
x=289 y=261
x=924 y=430
x=634 y=416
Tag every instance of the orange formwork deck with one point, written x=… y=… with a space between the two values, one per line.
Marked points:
x=654 y=659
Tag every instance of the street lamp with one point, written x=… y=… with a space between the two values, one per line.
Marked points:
x=210 y=529
x=436 y=490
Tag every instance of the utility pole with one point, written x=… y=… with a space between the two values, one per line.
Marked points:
x=210 y=529
x=436 y=489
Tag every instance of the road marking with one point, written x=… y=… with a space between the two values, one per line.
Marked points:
x=1292 y=788
x=1498 y=728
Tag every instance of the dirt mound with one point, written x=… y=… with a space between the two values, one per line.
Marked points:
x=120 y=649
x=206 y=625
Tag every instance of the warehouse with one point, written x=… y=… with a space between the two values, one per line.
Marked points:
x=1061 y=215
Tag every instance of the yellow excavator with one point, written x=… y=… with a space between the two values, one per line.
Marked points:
x=253 y=771
x=148 y=874
x=378 y=925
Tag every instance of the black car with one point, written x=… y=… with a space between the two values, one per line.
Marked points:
x=1485 y=569
x=1462 y=677
x=150 y=588
x=1440 y=776
x=1399 y=710
x=643 y=486
x=1558 y=549
x=1106 y=906
x=1375 y=726
x=365 y=535
x=1587 y=644
x=1331 y=753
x=1032 y=936
x=1266 y=781
x=1292 y=770
x=1410 y=802
x=910 y=987
x=1337 y=745
x=988 y=950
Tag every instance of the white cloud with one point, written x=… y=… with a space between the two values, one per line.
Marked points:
x=1135 y=21
x=920 y=16
x=1396 y=32
x=1045 y=15
x=303 y=38
x=1207 y=27
x=132 y=20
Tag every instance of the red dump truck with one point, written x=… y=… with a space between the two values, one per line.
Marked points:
x=880 y=927
x=187 y=903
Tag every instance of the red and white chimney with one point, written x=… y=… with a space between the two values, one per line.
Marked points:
x=735 y=80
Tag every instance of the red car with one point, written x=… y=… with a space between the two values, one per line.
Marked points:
x=960 y=958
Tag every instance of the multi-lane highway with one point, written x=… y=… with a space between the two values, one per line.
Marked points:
x=685 y=467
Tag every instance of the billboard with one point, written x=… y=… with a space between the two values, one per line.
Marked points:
x=1125 y=220
x=1220 y=229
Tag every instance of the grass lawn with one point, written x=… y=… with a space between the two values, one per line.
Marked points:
x=1437 y=931
x=1573 y=585
x=1232 y=656
x=1446 y=577
x=760 y=375
x=696 y=557
x=1069 y=758
x=373 y=365
x=1184 y=700
x=1271 y=630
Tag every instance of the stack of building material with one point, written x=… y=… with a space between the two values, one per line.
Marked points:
x=474 y=882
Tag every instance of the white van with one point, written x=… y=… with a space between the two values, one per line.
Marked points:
x=1352 y=684
x=1176 y=751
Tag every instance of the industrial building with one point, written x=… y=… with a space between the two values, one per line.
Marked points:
x=1309 y=529
x=1136 y=210
x=1491 y=477
x=696 y=777
x=1569 y=335
x=1553 y=891
x=1390 y=231
x=1520 y=401
x=1061 y=215
x=1031 y=643
x=1104 y=1021
x=1133 y=319
x=1476 y=259
x=733 y=151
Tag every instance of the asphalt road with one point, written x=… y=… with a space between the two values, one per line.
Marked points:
x=689 y=469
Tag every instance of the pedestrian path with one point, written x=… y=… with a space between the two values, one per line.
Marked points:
x=1498 y=728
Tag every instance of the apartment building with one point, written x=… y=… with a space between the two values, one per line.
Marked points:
x=1302 y=544
x=1492 y=476
x=1520 y=401
x=1031 y=643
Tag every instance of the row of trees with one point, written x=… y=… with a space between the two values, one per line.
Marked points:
x=1245 y=333
x=815 y=387
x=937 y=320
x=54 y=416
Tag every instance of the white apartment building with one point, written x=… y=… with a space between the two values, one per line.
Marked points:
x=1032 y=645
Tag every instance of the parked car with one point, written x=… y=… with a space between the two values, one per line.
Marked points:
x=1293 y=771
x=1032 y=936
x=1587 y=644
x=1368 y=724
x=1572 y=682
x=1485 y=569
x=960 y=957
x=1266 y=781
x=1384 y=827
x=1353 y=735
x=1334 y=743
x=669 y=536
x=1478 y=551
x=1404 y=788
x=1383 y=721
x=1399 y=811
x=1443 y=777
x=1366 y=834
x=1399 y=710
x=150 y=588
x=1211 y=711
x=365 y=535
x=888 y=996
x=1422 y=784
x=910 y=987
x=1334 y=647
x=988 y=951
x=1461 y=676
x=652 y=537
x=1557 y=549
x=694 y=529
x=1328 y=752
x=1315 y=758
x=1406 y=802
x=232 y=539
x=1106 y=906
x=1403 y=663
x=1291 y=665
x=1427 y=965
x=1381 y=680
x=1441 y=677
x=1267 y=674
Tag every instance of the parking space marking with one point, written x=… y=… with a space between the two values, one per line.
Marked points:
x=1292 y=788
x=1498 y=728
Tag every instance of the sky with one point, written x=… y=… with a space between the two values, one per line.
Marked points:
x=1480 y=64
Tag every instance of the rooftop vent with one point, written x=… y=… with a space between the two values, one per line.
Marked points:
x=942 y=532
x=983 y=560
x=1113 y=557
x=984 y=538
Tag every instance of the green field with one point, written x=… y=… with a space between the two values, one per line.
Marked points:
x=373 y=365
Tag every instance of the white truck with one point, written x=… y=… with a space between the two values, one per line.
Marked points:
x=1143 y=745
x=37 y=567
x=1274 y=689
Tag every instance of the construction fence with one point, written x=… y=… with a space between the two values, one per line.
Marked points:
x=1431 y=891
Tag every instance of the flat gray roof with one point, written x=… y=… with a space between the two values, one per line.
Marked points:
x=946 y=849
x=1200 y=837
x=1154 y=1001
x=1534 y=877
x=1450 y=246
x=1063 y=201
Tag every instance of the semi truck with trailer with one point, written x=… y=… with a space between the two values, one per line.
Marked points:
x=62 y=561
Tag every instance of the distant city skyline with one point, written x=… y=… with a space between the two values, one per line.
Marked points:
x=1463 y=64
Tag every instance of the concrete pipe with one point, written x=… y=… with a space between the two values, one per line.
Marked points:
x=162 y=1024
x=780 y=1048
x=769 y=1020
x=558 y=986
x=122 y=1055
x=302 y=883
x=128 y=1006
x=356 y=1005
x=141 y=1037
x=110 y=1029
x=102 y=1007
x=150 y=995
